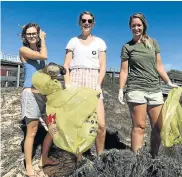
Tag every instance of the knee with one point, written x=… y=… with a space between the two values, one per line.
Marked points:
x=101 y=129
x=139 y=128
x=31 y=132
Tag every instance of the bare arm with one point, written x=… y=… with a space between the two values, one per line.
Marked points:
x=160 y=69
x=122 y=79
x=67 y=61
x=102 y=61
x=162 y=72
x=123 y=73
x=26 y=52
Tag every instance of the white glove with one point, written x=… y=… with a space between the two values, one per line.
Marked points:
x=120 y=96
x=98 y=88
x=170 y=84
x=68 y=85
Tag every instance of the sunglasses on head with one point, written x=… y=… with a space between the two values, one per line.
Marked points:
x=85 y=20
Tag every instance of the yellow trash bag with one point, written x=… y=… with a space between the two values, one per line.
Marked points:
x=72 y=117
x=171 y=132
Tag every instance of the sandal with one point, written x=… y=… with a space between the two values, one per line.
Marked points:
x=49 y=164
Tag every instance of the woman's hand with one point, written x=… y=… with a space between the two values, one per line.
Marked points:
x=98 y=88
x=170 y=84
x=120 y=96
x=42 y=35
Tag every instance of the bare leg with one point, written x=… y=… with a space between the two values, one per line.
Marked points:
x=154 y=113
x=100 y=139
x=79 y=157
x=28 y=146
x=138 y=115
x=45 y=149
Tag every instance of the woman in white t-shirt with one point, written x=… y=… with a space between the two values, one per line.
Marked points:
x=85 y=62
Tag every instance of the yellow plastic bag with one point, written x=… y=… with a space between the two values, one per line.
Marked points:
x=171 y=132
x=72 y=117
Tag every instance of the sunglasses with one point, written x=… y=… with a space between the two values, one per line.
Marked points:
x=89 y=21
x=31 y=34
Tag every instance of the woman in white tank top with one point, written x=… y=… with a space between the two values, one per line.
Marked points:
x=85 y=62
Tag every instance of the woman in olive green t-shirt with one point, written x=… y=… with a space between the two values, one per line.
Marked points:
x=141 y=67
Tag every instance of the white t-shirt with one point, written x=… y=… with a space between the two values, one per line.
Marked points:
x=86 y=56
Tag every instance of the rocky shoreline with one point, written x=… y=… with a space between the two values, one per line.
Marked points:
x=117 y=160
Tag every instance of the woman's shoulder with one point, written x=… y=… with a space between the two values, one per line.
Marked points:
x=99 y=39
x=153 y=40
x=72 y=42
x=73 y=38
x=128 y=44
x=22 y=48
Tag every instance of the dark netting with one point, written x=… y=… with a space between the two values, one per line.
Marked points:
x=124 y=163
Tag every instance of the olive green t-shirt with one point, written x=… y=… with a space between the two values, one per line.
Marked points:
x=142 y=73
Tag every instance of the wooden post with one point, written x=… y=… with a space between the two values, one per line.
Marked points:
x=113 y=77
x=7 y=73
x=18 y=77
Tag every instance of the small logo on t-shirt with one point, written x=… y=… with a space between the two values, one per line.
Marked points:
x=94 y=52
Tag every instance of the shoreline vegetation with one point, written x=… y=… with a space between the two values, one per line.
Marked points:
x=117 y=159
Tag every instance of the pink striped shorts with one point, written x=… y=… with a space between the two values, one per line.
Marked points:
x=84 y=77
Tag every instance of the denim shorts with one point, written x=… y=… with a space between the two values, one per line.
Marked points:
x=33 y=106
x=149 y=98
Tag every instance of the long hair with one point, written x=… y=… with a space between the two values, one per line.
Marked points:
x=23 y=35
x=145 y=38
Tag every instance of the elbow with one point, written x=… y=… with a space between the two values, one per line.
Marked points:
x=123 y=73
x=43 y=57
x=102 y=68
x=159 y=68
x=66 y=66
x=123 y=76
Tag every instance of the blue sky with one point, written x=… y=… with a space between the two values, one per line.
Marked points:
x=59 y=20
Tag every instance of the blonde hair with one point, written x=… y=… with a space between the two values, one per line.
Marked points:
x=87 y=13
x=145 y=38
